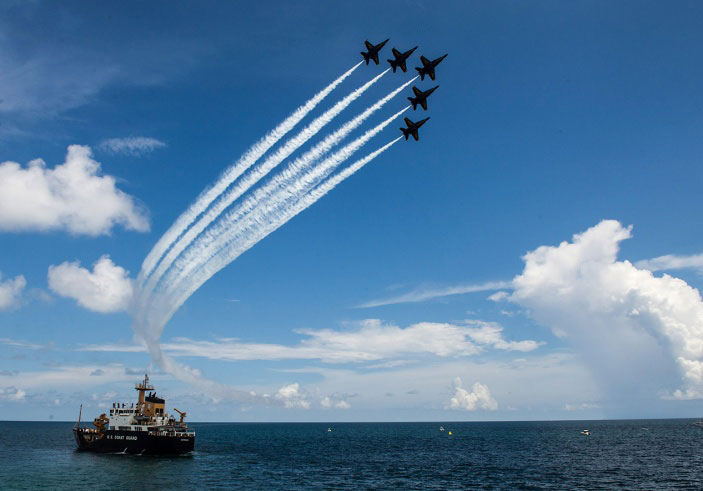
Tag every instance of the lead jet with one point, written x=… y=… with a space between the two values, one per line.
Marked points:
x=412 y=128
x=421 y=97
x=400 y=59
x=428 y=67
x=372 y=51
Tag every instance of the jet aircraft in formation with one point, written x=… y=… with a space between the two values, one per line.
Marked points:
x=427 y=68
x=372 y=51
x=412 y=128
x=400 y=59
x=421 y=97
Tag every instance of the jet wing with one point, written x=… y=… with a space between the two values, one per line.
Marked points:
x=425 y=61
x=417 y=91
x=374 y=57
x=408 y=122
x=396 y=53
x=368 y=45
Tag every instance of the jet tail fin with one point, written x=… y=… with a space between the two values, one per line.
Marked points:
x=406 y=133
x=415 y=135
x=393 y=65
x=413 y=102
x=420 y=71
x=424 y=104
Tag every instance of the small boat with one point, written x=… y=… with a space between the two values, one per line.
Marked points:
x=586 y=432
x=441 y=428
x=329 y=430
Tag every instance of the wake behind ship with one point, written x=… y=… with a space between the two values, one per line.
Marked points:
x=142 y=429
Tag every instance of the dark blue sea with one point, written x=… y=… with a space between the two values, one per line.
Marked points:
x=635 y=454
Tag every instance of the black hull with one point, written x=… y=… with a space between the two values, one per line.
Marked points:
x=133 y=442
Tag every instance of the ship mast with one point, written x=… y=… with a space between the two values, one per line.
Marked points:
x=141 y=388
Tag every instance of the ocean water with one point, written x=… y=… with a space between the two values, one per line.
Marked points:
x=635 y=454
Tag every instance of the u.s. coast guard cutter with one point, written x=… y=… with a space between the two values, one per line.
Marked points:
x=144 y=428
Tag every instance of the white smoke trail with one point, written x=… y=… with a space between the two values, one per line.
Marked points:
x=232 y=173
x=235 y=240
x=284 y=179
x=257 y=173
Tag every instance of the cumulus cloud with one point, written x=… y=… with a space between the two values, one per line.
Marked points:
x=292 y=397
x=479 y=397
x=372 y=340
x=107 y=288
x=71 y=196
x=335 y=401
x=132 y=145
x=11 y=291
x=639 y=333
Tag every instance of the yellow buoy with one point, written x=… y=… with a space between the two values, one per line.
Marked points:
x=450 y=432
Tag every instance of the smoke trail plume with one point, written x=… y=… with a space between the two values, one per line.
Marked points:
x=232 y=173
x=235 y=240
x=226 y=199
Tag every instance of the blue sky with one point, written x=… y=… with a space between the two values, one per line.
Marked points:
x=551 y=120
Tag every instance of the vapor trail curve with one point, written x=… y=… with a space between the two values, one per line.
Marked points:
x=250 y=179
x=233 y=172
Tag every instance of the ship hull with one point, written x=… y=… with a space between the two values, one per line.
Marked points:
x=133 y=442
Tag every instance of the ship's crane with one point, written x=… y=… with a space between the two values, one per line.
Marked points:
x=182 y=413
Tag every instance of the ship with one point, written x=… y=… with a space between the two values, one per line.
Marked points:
x=145 y=428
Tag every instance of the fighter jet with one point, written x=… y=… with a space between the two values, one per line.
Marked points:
x=428 y=67
x=400 y=59
x=412 y=128
x=421 y=97
x=372 y=51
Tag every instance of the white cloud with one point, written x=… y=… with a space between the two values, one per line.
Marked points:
x=133 y=145
x=420 y=295
x=637 y=332
x=21 y=344
x=499 y=296
x=65 y=377
x=479 y=397
x=12 y=394
x=292 y=397
x=107 y=288
x=11 y=292
x=370 y=341
x=71 y=196
x=491 y=334
x=336 y=401
x=669 y=262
